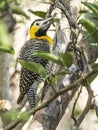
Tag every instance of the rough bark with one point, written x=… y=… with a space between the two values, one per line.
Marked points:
x=60 y=110
x=4 y=76
x=49 y=117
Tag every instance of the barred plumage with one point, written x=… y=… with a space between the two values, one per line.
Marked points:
x=31 y=94
x=28 y=77
x=39 y=42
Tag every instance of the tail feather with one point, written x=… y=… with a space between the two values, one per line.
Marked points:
x=20 y=98
x=31 y=94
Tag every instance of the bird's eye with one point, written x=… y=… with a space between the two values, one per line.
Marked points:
x=37 y=23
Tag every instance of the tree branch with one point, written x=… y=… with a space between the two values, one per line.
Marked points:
x=74 y=105
x=89 y=105
x=9 y=10
x=67 y=13
x=59 y=92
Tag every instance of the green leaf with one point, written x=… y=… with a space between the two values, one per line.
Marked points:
x=54 y=79
x=94 y=45
x=64 y=72
x=83 y=11
x=35 y=67
x=5 y=39
x=67 y=58
x=18 y=10
x=57 y=20
x=24 y=116
x=48 y=56
x=92 y=77
x=41 y=14
x=2 y=6
x=91 y=28
x=94 y=65
x=92 y=7
x=7 y=49
x=9 y=116
x=87 y=36
x=89 y=25
x=13 y=115
x=91 y=17
x=11 y=1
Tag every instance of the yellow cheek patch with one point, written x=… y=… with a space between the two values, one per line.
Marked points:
x=34 y=29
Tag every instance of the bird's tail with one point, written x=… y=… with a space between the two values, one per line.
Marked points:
x=20 y=98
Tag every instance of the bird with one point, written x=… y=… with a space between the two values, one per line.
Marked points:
x=39 y=41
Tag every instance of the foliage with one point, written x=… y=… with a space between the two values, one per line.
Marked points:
x=35 y=67
x=67 y=58
x=90 y=23
x=15 y=9
x=13 y=115
x=5 y=39
x=93 y=76
x=19 y=11
x=41 y=14
x=64 y=61
x=48 y=56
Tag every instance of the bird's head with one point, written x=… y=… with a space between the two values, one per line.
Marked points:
x=39 y=29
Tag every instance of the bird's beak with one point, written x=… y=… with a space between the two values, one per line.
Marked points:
x=46 y=23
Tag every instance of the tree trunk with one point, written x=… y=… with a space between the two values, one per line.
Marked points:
x=4 y=76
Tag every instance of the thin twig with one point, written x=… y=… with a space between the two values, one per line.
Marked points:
x=44 y=2
x=88 y=106
x=51 y=8
x=96 y=109
x=74 y=105
x=83 y=114
x=71 y=20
